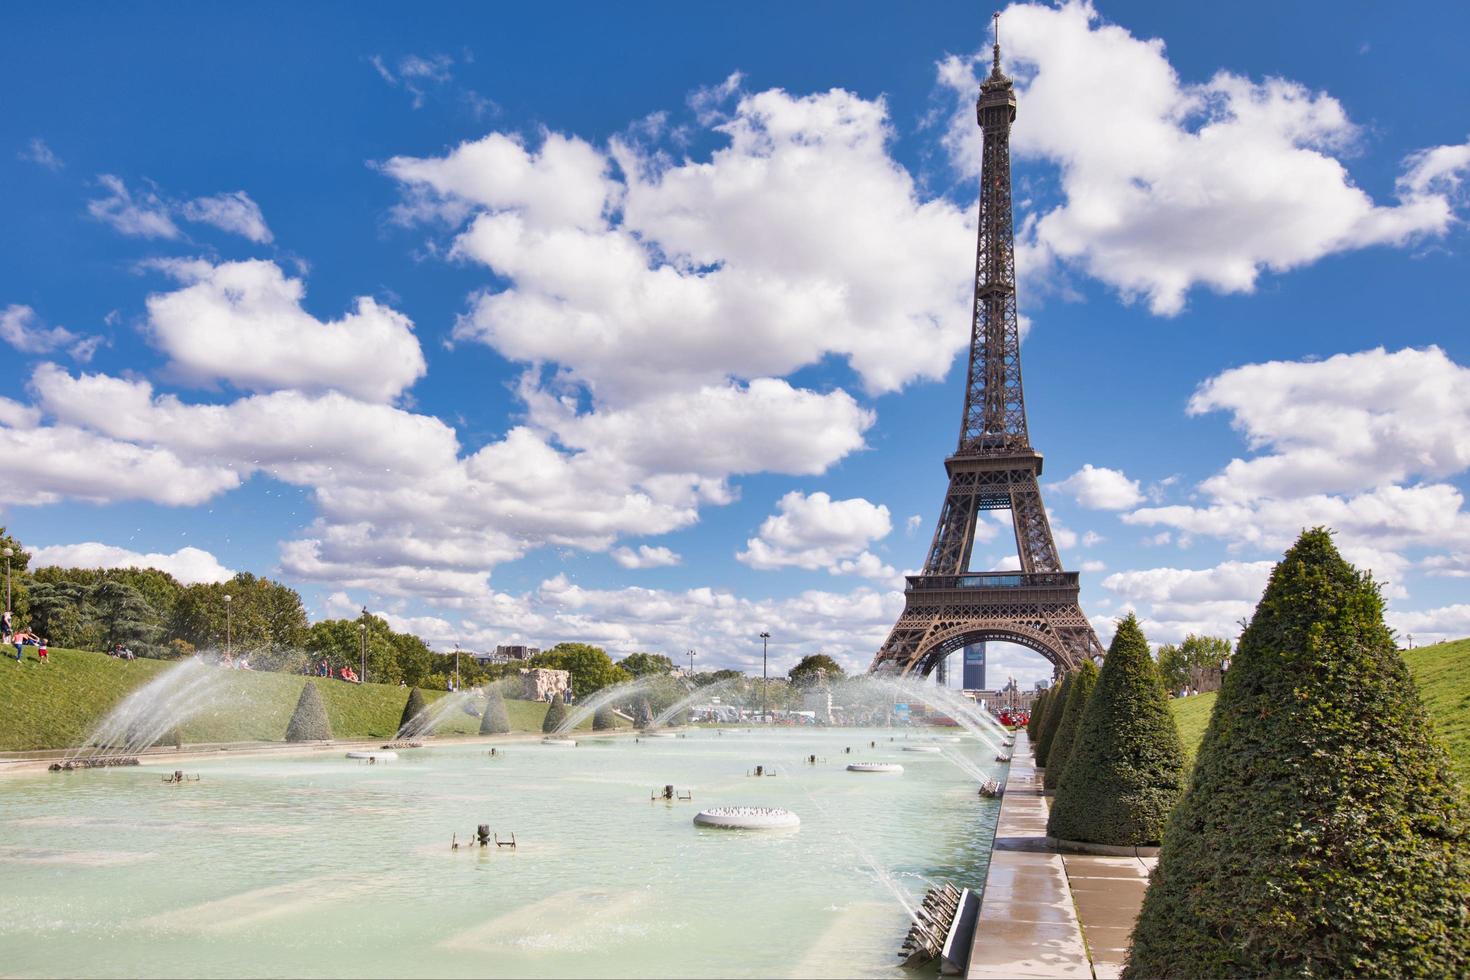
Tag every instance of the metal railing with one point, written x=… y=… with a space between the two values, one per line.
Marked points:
x=994 y=580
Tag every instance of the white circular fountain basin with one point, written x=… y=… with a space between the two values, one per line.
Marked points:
x=921 y=748
x=559 y=741
x=874 y=767
x=374 y=756
x=747 y=818
x=662 y=734
x=945 y=738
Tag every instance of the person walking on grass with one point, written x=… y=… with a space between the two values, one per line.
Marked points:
x=41 y=650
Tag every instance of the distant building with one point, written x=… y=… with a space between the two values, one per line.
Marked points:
x=974 y=674
x=1008 y=698
x=507 y=653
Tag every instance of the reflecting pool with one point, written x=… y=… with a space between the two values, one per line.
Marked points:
x=314 y=865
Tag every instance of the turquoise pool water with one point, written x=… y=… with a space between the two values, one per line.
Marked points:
x=319 y=866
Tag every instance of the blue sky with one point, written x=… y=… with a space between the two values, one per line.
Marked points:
x=641 y=326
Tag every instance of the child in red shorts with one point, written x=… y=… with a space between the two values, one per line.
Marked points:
x=42 y=651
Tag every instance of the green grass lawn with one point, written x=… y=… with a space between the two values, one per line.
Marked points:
x=57 y=705
x=1442 y=672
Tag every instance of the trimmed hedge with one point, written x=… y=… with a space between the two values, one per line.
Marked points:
x=416 y=705
x=1322 y=833
x=309 y=720
x=1126 y=769
x=495 y=720
x=1084 y=680
x=555 y=715
x=1049 y=724
x=603 y=719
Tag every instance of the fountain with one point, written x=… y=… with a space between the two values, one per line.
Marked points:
x=840 y=891
x=425 y=722
x=698 y=694
x=970 y=716
x=608 y=695
x=889 y=767
x=747 y=818
x=150 y=712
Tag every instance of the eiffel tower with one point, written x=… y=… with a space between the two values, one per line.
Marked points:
x=994 y=468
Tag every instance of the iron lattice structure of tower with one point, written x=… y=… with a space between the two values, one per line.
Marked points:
x=994 y=468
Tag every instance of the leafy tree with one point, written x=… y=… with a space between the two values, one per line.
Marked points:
x=643 y=664
x=309 y=721
x=591 y=668
x=1322 y=832
x=412 y=708
x=495 y=720
x=556 y=713
x=812 y=668
x=1126 y=768
x=1193 y=664
x=58 y=612
x=123 y=615
x=340 y=642
x=414 y=659
x=261 y=615
x=20 y=561
x=1054 y=708
x=1084 y=679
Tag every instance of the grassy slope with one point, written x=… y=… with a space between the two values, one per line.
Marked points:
x=58 y=705
x=1442 y=672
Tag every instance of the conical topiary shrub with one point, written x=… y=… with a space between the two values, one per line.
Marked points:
x=1084 y=679
x=416 y=705
x=1126 y=768
x=1054 y=707
x=1038 y=706
x=603 y=719
x=1322 y=833
x=495 y=720
x=309 y=721
x=556 y=713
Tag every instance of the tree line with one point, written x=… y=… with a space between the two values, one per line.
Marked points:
x=153 y=614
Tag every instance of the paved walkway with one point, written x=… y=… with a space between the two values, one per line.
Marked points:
x=1038 y=904
x=1028 y=925
x=1108 y=893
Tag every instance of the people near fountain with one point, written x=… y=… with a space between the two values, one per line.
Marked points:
x=324 y=670
x=5 y=625
x=41 y=650
x=349 y=675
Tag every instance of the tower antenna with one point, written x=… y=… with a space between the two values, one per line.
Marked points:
x=996 y=17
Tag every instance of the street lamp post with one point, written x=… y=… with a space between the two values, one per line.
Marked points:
x=692 y=655
x=9 y=553
x=229 y=655
x=456 y=666
x=765 y=711
x=362 y=644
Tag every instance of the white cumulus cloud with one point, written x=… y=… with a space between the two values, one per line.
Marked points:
x=243 y=322
x=646 y=556
x=815 y=531
x=1169 y=184
x=1101 y=488
x=191 y=566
